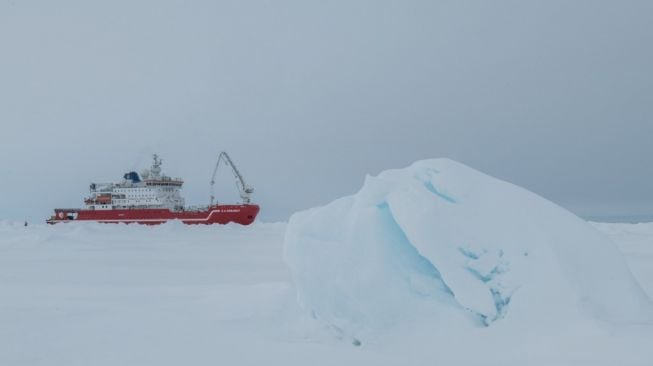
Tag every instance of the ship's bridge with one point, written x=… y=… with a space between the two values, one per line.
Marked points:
x=150 y=189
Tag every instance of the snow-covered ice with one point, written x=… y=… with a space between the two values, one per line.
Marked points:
x=415 y=243
x=91 y=294
x=636 y=244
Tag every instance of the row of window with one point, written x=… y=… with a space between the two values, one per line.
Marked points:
x=142 y=189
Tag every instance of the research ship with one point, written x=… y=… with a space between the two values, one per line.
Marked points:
x=152 y=197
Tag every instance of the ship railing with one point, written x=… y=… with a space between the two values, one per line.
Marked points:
x=57 y=210
x=102 y=187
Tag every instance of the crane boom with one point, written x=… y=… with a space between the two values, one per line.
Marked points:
x=244 y=190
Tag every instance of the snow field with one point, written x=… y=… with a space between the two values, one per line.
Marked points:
x=94 y=294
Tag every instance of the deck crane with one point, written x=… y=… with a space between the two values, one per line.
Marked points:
x=244 y=189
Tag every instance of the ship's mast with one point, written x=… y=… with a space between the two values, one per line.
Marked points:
x=244 y=189
x=156 y=166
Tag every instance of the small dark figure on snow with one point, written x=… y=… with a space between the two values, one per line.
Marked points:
x=25 y=223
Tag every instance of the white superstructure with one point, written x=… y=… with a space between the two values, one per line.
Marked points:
x=150 y=189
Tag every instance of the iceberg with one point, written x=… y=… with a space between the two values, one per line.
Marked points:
x=442 y=242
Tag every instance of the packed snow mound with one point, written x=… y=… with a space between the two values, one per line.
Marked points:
x=439 y=240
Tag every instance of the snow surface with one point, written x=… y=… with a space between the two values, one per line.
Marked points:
x=636 y=244
x=90 y=294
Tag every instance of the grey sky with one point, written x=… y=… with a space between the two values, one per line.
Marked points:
x=309 y=96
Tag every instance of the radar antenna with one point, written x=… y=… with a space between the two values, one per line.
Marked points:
x=245 y=190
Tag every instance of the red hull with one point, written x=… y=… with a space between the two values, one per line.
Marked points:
x=216 y=214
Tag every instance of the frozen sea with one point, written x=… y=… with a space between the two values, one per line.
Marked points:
x=92 y=294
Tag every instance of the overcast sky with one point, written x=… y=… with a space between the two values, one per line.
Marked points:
x=309 y=96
